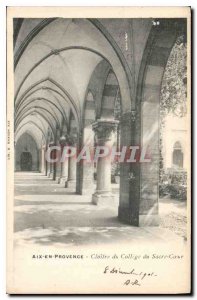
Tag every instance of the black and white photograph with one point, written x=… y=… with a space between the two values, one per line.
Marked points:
x=99 y=150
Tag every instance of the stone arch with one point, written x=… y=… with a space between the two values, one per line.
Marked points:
x=25 y=88
x=177 y=145
x=57 y=90
x=110 y=93
x=26 y=123
x=44 y=113
x=98 y=105
x=95 y=22
x=140 y=205
x=122 y=71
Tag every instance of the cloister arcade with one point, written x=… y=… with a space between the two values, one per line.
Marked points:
x=69 y=75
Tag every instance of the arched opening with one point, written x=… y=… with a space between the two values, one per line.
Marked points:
x=173 y=126
x=173 y=108
x=26 y=153
x=77 y=90
x=177 y=156
x=102 y=110
x=144 y=182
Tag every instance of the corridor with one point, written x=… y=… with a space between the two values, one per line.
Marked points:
x=93 y=204
x=48 y=214
x=83 y=119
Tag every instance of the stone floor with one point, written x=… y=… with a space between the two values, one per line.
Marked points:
x=46 y=213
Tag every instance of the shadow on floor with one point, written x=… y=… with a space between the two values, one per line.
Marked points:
x=47 y=213
x=26 y=202
x=86 y=235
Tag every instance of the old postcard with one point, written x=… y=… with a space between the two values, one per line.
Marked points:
x=98 y=150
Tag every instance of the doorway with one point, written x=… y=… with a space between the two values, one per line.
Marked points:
x=26 y=161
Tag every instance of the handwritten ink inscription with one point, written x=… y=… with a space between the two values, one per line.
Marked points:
x=136 y=277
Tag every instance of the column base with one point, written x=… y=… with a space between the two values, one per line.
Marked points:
x=70 y=184
x=62 y=180
x=87 y=188
x=127 y=216
x=86 y=192
x=102 y=198
x=57 y=177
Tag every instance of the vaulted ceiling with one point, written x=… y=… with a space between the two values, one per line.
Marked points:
x=55 y=71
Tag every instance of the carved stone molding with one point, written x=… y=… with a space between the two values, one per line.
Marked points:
x=72 y=139
x=63 y=139
x=104 y=128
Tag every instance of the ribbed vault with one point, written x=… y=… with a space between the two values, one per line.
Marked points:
x=56 y=69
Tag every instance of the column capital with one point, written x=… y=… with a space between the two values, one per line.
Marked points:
x=104 y=128
x=63 y=139
x=72 y=139
x=51 y=144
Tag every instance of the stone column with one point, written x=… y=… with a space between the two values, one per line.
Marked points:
x=72 y=173
x=49 y=171
x=43 y=161
x=149 y=179
x=85 y=168
x=58 y=163
x=53 y=164
x=46 y=165
x=64 y=165
x=49 y=165
x=139 y=180
x=72 y=165
x=64 y=172
x=104 y=130
x=128 y=211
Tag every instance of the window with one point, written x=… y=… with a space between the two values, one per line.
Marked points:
x=177 y=157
